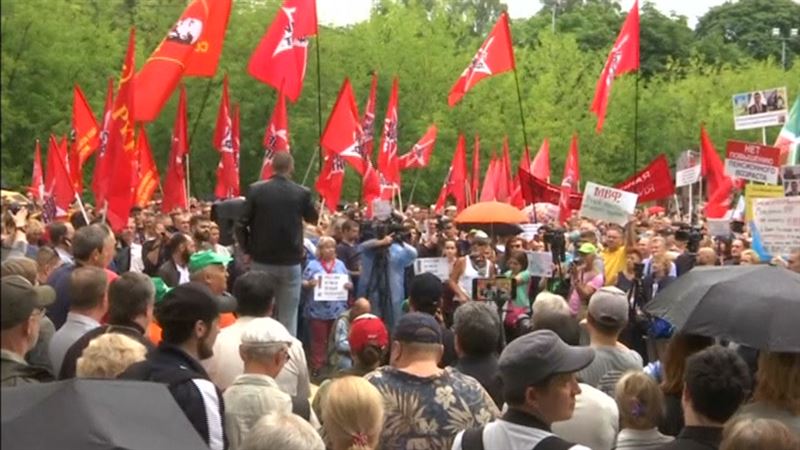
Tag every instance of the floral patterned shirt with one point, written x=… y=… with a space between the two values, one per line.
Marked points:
x=427 y=413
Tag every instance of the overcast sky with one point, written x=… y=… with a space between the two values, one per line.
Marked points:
x=343 y=12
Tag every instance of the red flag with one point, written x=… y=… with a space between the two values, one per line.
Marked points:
x=388 y=163
x=57 y=180
x=85 y=136
x=570 y=182
x=148 y=172
x=525 y=160
x=223 y=142
x=420 y=154
x=175 y=195
x=368 y=122
x=102 y=167
x=624 y=57
x=719 y=185
x=281 y=56
x=654 y=182
x=495 y=56
x=343 y=135
x=75 y=172
x=164 y=68
x=490 y=181
x=276 y=136
x=122 y=146
x=540 y=167
x=476 y=170
x=536 y=190
x=374 y=186
x=37 y=175
x=507 y=186
x=456 y=182
x=329 y=183
x=236 y=148
x=207 y=50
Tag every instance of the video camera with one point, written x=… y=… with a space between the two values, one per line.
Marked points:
x=691 y=235
x=556 y=242
x=379 y=229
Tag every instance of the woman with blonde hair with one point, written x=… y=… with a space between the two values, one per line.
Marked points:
x=777 y=392
x=748 y=434
x=641 y=406
x=749 y=257
x=108 y=355
x=352 y=414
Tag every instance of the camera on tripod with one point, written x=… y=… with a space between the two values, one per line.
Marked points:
x=380 y=229
x=692 y=236
x=555 y=241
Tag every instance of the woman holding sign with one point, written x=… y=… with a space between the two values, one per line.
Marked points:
x=329 y=278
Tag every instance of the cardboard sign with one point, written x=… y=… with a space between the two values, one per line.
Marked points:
x=437 y=266
x=759 y=109
x=753 y=162
x=719 y=227
x=688 y=176
x=381 y=209
x=607 y=204
x=540 y=264
x=529 y=230
x=778 y=223
x=330 y=287
x=754 y=191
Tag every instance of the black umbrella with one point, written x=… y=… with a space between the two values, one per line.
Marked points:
x=95 y=414
x=758 y=306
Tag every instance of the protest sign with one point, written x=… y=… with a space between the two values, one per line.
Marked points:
x=759 y=109
x=688 y=176
x=607 y=204
x=529 y=230
x=719 y=227
x=753 y=162
x=381 y=209
x=331 y=287
x=791 y=180
x=778 y=223
x=437 y=266
x=754 y=191
x=654 y=182
x=540 y=264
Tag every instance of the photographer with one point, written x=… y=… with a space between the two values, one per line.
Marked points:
x=586 y=279
x=14 y=240
x=687 y=242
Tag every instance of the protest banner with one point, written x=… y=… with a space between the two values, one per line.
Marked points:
x=529 y=230
x=381 y=209
x=331 y=287
x=791 y=180
x=437 y=266
x=719 y=227
x=759 y=109
x=607 y=204
x=688 y=176
x=540 y=264
x=750 y=161
x=778 y=223
x=755 y=191
x=654 y=182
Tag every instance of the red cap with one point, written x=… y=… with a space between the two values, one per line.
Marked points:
x=367 y=329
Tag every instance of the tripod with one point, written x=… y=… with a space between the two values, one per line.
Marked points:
x=378 y=288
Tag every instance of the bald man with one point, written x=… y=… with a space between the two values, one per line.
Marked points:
x=338 y=344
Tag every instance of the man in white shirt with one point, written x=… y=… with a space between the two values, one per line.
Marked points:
x=255 y=297
x=87 y=289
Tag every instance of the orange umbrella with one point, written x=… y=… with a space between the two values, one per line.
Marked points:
x=492 y=217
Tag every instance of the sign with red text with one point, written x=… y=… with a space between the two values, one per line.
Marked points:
x=754 y=162
x=607 y=204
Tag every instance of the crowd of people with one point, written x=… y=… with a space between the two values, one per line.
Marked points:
x=228 y=315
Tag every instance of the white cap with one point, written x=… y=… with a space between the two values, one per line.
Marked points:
x=265 y=331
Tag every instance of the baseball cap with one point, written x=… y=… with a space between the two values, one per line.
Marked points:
x=609 y=306
x=418 y=327
x=587 y=248
x=201 y=260
x=20 y=298
x=367 y=329
x=534 y=357
x=264 y=331
x=188 y=302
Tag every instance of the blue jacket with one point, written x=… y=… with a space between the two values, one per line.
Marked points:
x=400 y=257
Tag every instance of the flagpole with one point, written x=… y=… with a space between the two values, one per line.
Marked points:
x=319 y=106
x=83 y=210
x=414 y=187
x=521 y=113
x=191 y=137
x=188 y=182
x=636 y=126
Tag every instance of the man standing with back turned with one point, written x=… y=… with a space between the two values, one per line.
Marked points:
x=271 y=232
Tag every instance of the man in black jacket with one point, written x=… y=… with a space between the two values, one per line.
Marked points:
x=189 y=318
x=271 y=233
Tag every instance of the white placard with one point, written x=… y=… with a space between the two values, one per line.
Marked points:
x=745 y=170
x=437 y=266
x=381 y=209
x=688 y=176
x=529 y=230
x=719 y=227
x=331 y=287
x=540 y=264
x=778 y=223
x=608 y=204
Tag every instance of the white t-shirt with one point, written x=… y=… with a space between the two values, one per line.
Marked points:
x=594 y=423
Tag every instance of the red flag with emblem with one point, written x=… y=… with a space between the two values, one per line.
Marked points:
x=85 y=136
x=224 y=143
x=536 y=190
x=37 y=175
x=654 y=182
x=570 y=182
x=276 y=136
x=720 y=186
x=164 y=68
x=236 y=148
x=540 y=167
x=343 y=135
x=456 y=181
x=122 y=146
x=490 y=181
x=368 y=121
x=329 y=182
x=207 y=50
x=420 y=154
x=624 y=57
x=388 y=164
x=476 y=170
x=495 y=56
x=57 y=180
x=175 y=195
x=148 y=172
x=102 y=167
x=281 y=56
